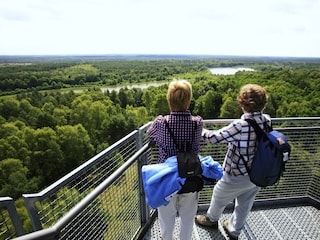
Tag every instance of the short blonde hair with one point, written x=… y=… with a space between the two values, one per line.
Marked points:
x=252 y=98
x=179 y=95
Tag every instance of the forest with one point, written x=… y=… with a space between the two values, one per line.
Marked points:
x=54 y=115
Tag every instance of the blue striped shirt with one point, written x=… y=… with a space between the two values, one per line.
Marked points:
x=241 y=139
x=182 y=124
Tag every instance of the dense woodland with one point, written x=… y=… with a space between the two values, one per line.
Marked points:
x=48 y=128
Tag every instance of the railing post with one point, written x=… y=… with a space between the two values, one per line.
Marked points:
x=144 y=209
x=29 y=201
x=8 y=203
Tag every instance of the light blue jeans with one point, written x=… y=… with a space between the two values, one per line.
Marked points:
x=229 y=188
x=185 y=205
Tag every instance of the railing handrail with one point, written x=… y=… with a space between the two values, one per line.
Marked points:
x=290 y=129
x=63 y=221
x=225 y=120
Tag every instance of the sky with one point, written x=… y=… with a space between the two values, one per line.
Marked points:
x=285 y=28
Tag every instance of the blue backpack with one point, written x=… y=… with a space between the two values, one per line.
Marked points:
x=271 y=155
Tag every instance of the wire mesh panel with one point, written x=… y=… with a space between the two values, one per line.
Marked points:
x=302 y=174
x=53 y=204
x=115 y=214
x=6 y=228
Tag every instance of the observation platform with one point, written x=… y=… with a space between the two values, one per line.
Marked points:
x=104 y=198
x=281 y=219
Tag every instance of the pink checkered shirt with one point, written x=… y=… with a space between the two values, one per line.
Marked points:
x=182 y=124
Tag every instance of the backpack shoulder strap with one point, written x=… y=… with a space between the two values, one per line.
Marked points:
x=172 y=136
x=258 y=131
x=256 y=127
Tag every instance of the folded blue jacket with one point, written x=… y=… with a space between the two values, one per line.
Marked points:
x=161 y=181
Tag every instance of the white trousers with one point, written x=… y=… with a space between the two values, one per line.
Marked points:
x=185 y=206
x=229 y=188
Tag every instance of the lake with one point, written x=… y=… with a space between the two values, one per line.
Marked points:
x=228 y=71
x=217 y=71
x=141 y=85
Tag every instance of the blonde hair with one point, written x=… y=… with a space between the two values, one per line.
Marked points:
x=179 y=95
x=252 y=98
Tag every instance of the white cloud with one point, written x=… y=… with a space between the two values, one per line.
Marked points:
x=230 y=27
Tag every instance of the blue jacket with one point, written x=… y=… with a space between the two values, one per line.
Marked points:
x=161 y=181
x=210 y=168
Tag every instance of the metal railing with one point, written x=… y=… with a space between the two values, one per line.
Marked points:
x=10 y=222
x=302 y=175
x=104 y=198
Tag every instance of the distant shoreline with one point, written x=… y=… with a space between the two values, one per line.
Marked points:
x=28 y=59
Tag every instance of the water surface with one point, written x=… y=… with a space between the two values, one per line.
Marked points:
x=228 y=71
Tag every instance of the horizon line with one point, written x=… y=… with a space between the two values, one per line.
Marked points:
x=150 y=55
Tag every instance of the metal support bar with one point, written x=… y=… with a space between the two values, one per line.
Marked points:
x=8 y=203
x=145 y=216
x=29 y=201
